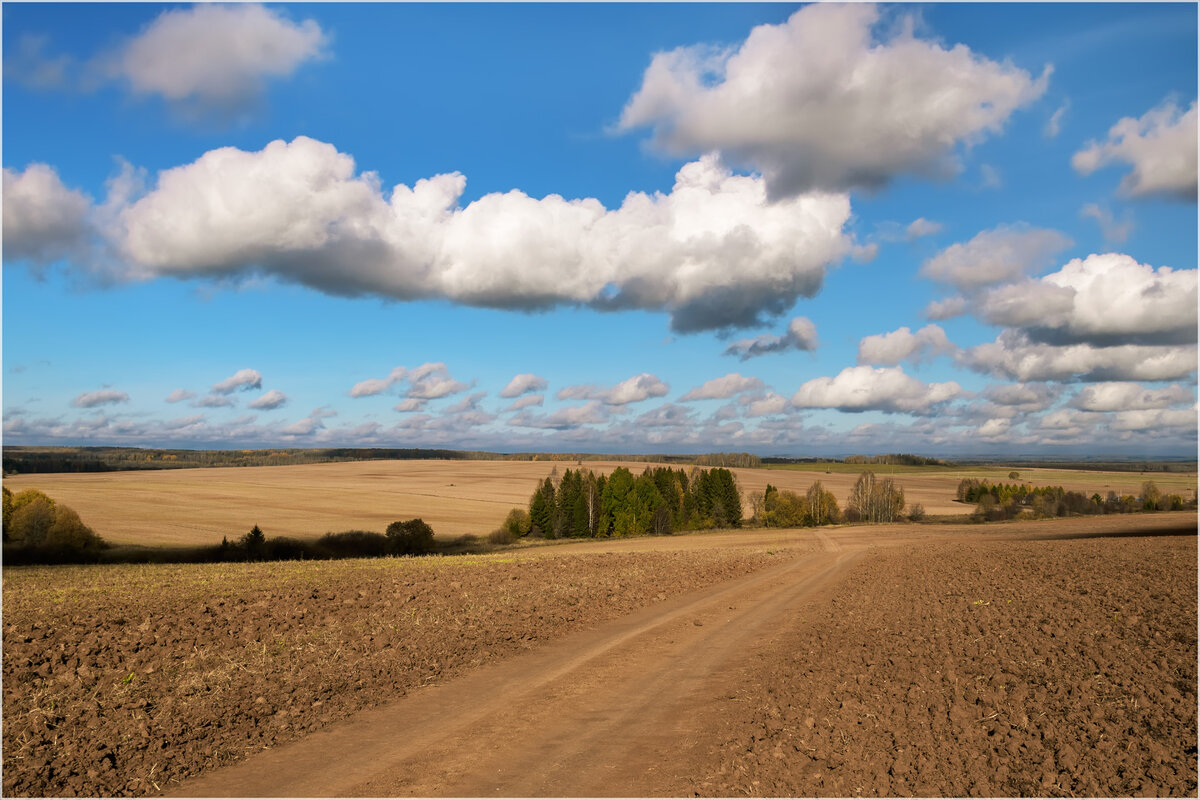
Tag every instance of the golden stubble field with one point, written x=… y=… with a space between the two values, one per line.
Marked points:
x=199 y=506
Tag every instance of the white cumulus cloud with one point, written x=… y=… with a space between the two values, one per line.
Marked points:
x=270 y=401
x=714 y=253
x=1104 y=299
x=904 y=345
x=1116 y=396
x=801 y=334
x=374 y=386
x=824 y=101
x=432 y=382
x=994 y=256
x=179 y=395
x=527 y=401
x=590 y=413
x=1015 y=356
x=43 y=220
x=523 y=384
x=946 y=308
x=101 y=397
x=631 y=390
x=722 y=388
x=214 y=57
x=865 y=388
x=242 y=380
x=921 y=227
x=1160 y=146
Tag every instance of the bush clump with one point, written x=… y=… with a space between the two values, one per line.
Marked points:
x=411 y=538
x=37 y=530
x=518 y=523
x=353 y=544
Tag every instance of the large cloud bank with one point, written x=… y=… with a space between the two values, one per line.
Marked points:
x=822 y=101
x=714 y=253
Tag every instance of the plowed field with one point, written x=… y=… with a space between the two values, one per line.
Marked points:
x=1032 y=658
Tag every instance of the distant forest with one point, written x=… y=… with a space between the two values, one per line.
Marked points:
x=25 y=459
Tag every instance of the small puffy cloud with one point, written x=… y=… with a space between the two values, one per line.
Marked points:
x=590 y=413
x=102 y=397
x=243 y=380
x=1015 y=356
x=1161 y=148
x=527 y=401
x=715 y=253
x=632 y=390
x=1178 y=422
x=523 y=384
x=801 y=334
x=864 y=253
x=1103 y=300
x=467 y=404
x=865 y=388
x=921 y=227
x=214 y=401
x=995 y=428
x=374 y=386
x=179 y=395
x=214 y=57
x=766 y=404
x=310 y=424
x=270 y=401
x=369 y=387
x=722 y=388
x=1002 y=254
x=44 y=221
x=1114 y=230
x=1023 y=397
x=668 y=415
x=1054 y=124
x=432 y=382
x=823 y=101
x=904 y=345
x=409 y=405
x=947 y=308
x=1116 y=396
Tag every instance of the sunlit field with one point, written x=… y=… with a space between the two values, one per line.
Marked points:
x=200 y=506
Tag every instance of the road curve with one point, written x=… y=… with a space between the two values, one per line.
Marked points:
x=600 y=713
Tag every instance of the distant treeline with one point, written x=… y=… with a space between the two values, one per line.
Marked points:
x=997 y=501
x=110 y=459
x=25 y=459
x=893 y=459
x=1131 y=465
x=897 y=459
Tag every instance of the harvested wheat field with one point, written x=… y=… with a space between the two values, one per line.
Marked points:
x=1021 y=658
x=200 y=506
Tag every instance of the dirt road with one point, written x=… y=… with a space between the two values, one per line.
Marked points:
x=597 y=714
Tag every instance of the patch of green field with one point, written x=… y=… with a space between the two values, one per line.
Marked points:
x=1170 y=482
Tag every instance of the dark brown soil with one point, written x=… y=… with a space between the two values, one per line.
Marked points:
x=881 y=661
x=124 y=680
x=1034 y=668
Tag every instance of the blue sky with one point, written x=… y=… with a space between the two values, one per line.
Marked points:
x=946 y=229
